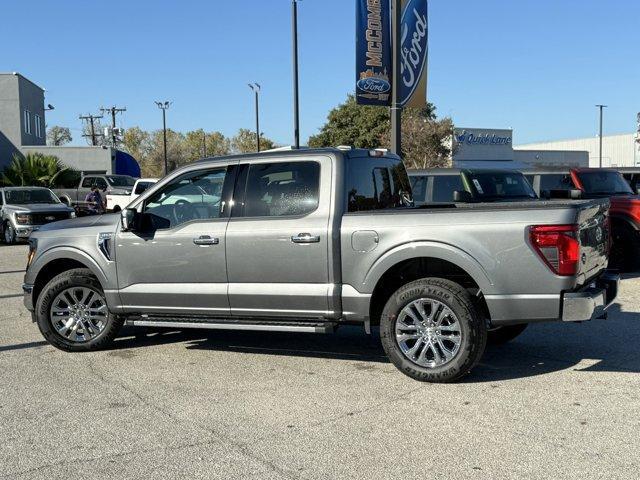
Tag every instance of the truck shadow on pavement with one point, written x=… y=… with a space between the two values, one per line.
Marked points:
x=597 y=346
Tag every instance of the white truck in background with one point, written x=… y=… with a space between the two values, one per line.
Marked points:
x=116 y=203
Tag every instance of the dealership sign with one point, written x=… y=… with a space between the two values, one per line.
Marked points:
x=374 y=55
x=471 y=138
x=373 y=52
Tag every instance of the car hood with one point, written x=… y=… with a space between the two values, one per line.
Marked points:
x=106 y=221
x=39 y=208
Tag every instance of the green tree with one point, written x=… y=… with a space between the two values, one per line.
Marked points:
x=216 y=144
x=38 y=170
x=352 y=124
x=425 y=140
x=57 y=136
x=245 y=142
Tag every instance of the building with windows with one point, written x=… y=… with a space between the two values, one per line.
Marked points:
x=22 y=131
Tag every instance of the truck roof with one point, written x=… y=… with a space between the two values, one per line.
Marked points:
x=457 y=171
x=25 y=188
x=345 y=152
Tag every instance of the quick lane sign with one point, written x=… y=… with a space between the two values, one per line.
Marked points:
x=373 y=52
x=374 y=58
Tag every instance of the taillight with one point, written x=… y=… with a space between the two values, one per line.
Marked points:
x=558 y=246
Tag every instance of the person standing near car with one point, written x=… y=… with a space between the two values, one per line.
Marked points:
x=95 y=204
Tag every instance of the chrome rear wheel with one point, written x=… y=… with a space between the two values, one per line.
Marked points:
x=428 y=333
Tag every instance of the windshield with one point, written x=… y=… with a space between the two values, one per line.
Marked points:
x=500 y=185
x=604 y=182
x=24 y=197
x=121 y=180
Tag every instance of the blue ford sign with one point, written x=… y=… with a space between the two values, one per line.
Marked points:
x=413 y=51
x=373 y=52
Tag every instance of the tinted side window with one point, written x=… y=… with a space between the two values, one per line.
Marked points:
x=192 y=196
x=141 y=187
x=555 y=181
x=282 y=189
x=444 y=186
x=87 y=182
x=419 y=189
x=101 y=183
x=376 y=184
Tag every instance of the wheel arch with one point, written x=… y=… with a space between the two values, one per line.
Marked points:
x=425 y=259
x=56 y=261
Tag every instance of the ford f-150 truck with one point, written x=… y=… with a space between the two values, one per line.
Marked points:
x=24 y=210
x=109 y=184
x=308 y=240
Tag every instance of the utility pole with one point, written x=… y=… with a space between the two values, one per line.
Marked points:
x=294 y=31
x=256 y=90
x=164 y=106
x=90 y=119
x=204 y=144
x=113 y=111
x=601 y=107
x=396 y=106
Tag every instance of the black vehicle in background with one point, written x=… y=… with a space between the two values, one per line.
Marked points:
x=631 y=175
x=465 y=185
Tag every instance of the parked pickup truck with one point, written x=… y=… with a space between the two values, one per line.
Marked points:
x=581 y=183
x=24 y=209
x=308 y=240
x=110 y=184
x=115 y=203
x=445 y=185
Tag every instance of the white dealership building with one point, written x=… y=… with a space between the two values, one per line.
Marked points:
x=474 y=147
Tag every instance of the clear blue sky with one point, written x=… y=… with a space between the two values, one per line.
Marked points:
x=538 y=66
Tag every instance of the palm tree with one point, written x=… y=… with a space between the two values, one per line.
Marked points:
x=36 y=169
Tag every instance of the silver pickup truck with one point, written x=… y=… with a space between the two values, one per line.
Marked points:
x=308 y=240
x=109 y=184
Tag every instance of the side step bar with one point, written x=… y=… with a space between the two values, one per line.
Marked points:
x=224 y=324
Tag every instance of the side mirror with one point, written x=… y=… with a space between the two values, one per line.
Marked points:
x=575 y=194
x=128 y=219
x=462 y=196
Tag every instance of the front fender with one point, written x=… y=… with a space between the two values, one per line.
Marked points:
x=66 y=252
x=427 y=249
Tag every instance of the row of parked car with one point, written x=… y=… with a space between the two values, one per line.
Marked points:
x=24 y=210
x=620 y=186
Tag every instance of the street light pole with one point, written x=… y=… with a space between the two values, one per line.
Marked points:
x=396 y=106
x=256 y=90
x=164 y=106
x=601 y=107
x=294 y=31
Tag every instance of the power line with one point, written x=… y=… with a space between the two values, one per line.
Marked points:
x=114 y=133
x=90 y=120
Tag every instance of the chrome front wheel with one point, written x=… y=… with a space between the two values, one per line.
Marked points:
x=79 y=314
x=428 y=333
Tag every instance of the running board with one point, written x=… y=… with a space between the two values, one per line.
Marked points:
x=269 y=325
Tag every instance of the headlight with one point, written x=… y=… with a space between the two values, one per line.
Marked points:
x=33 y=246
x=23 y=218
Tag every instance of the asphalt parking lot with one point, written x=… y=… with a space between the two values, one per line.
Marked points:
x=561 y=401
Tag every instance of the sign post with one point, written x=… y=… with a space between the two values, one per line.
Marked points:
x=396 y=103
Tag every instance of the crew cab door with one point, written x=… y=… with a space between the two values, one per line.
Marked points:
x=174 y=262
x=277 y=238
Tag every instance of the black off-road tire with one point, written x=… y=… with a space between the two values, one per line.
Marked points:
x=81 y=277
x=459 y=301
x=504 y=334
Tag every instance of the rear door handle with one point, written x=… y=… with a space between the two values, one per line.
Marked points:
x=206 y=240
x=305 y=238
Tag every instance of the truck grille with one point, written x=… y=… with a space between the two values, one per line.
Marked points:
x=43 y=218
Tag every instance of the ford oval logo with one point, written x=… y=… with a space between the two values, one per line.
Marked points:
x=414 y=47
x=373 y=85
x=50 y=218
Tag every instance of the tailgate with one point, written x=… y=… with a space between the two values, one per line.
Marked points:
x=593 y=234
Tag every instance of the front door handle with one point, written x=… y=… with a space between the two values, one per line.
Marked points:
x=206 y=240
x=305 y=238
